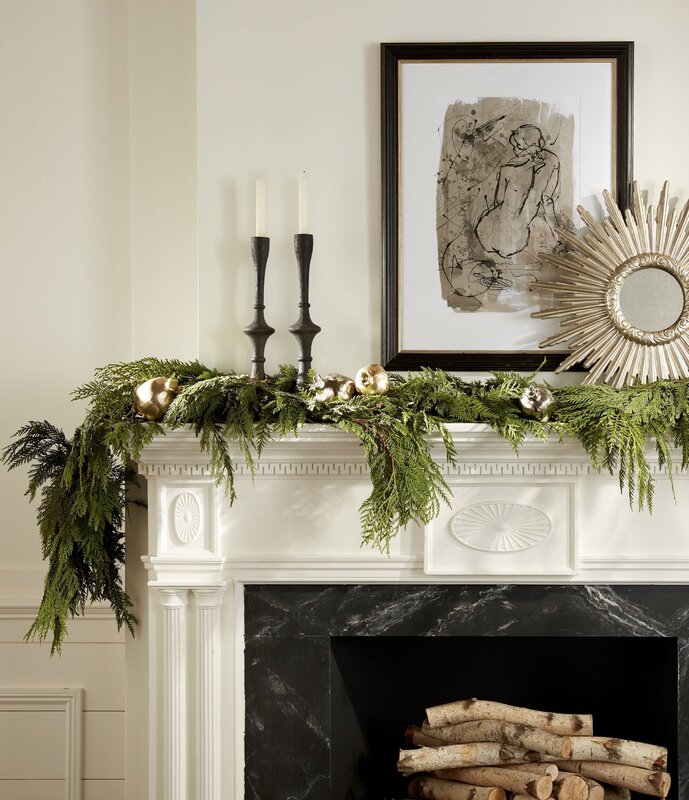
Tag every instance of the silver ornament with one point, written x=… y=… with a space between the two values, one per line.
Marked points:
x=153 y=398
x=537 y=402
x=372 y=379
x=333 y=386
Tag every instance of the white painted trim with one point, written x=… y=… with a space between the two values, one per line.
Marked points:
x=208 y=603
x=21 y=609
x=178 y=453
x=410 y=569
x=175 y=733
x=21 y=591
x=675 y=563
x=181 y=658
x=569 y=567
x=69 y=702
x=238 y=709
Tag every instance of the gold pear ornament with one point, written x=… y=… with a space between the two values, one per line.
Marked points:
x=372 y=379
x=153 y=398
x=333 y=386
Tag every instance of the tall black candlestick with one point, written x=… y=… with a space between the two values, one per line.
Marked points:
x=259 y=331
x=304 y=329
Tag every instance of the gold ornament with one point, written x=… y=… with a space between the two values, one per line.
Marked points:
x=372 y=379
x=332 y=386
x=537 y=402
x=153 y=398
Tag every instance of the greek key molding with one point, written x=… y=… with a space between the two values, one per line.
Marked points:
x=326 y=469
x=271 y=469
x=324 y=452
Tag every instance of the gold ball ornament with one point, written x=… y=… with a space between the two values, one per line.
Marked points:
x=372 y=379
x=537 y=402
x=153 y=398
x=332 y=386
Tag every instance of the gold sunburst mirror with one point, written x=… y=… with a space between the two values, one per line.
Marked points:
x=622 y=293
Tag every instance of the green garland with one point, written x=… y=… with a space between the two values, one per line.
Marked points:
x=82 y=481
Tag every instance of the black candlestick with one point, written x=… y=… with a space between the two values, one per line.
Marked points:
x=259 y=331
x=304 y=329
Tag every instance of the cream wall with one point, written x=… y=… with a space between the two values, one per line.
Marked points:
x=64 y=308
x=290 y=86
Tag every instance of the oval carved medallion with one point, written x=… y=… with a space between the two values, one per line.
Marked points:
x=500 y=527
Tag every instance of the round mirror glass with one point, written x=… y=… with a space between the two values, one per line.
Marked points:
x=651 y=299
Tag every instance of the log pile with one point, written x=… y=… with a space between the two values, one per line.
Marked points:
x=483 y=750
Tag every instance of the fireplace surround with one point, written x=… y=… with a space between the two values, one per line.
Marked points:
x=220 y=591
x=334 y=673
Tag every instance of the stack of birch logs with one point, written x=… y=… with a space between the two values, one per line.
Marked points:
x=482 y=750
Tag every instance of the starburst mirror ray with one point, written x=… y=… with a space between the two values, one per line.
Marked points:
x=594 y=322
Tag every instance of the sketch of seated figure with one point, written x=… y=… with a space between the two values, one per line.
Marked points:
x=527 y=186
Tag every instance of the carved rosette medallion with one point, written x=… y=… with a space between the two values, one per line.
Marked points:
x=186 y=516
x=500 y=527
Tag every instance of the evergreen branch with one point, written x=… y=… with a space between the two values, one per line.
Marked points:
x=82 y=482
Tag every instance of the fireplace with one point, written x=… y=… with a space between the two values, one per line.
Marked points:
x=334 y=674
x=278 y=659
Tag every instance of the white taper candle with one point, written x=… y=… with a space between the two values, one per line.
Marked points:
x=303 y=202
x=260 y=207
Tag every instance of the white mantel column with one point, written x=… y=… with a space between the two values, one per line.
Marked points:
x=174 y=666
x=208 y=602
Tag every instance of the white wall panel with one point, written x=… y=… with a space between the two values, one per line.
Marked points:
x=32 y=790
x=82 y=631
x=32 y=744
x=103 y=790
x=104 y=744
x=97 y=668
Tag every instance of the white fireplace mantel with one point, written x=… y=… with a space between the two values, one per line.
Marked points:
x=542 y=516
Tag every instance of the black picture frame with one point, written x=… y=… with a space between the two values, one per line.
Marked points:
x=392 y=55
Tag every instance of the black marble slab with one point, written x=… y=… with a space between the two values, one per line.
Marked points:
x=296 y=657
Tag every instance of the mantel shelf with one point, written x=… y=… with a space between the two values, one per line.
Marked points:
x=326 y=443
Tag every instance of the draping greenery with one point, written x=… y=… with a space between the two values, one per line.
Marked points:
x=82 y=481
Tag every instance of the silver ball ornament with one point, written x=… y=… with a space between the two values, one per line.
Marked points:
x=537 y=402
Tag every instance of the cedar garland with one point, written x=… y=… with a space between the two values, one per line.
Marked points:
x=81 y=481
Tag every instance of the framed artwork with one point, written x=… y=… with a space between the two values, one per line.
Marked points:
x=487 y=149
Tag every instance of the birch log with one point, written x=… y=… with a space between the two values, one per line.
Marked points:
x=570 y=787
x=488 y=730
x=616 y=793
x=644 y=781
x=477 y=754
x=619 y=751
x=538 y=786
x=437 y=789
x=596 y=790
x=414 y=735
x=473 y=709
x=536 y=769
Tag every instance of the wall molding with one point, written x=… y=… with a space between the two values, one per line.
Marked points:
x=639 y=569
x=67 y=701
x=21 y=590
x=27 y=609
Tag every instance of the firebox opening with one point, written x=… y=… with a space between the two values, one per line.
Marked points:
x=382 y=684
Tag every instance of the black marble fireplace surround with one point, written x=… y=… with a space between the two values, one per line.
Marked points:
x=334 y=673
